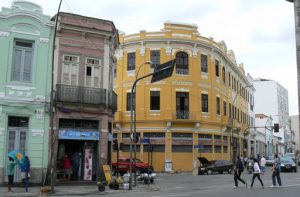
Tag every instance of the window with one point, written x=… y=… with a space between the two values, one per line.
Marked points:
x=204 y=63
x=206 y=149
x=131 y=61
x=224 y=108
x=218 y=105
x=155 y=58
x=225 y=149
x=129 y=101
x=229 y=80
x=224 y=74
x=182 y=148
x=155 y=100
x=217 y=68
x=204 y=98
x=230 y=114
x=70 y=69
x=22 y=61
x=182 y=105
x=93 y=72
x=218 y=149
x=182 y=63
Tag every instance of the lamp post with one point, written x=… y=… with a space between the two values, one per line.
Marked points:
x=134 y=118
x=163 y=71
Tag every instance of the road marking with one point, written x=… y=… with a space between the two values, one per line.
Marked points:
x=173 y=195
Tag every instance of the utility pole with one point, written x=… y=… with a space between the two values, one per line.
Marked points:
x=52 y=106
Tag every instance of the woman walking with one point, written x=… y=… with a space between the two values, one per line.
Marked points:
x=256 y=173
x=10 y=172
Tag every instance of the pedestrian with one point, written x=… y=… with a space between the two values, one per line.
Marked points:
x=238 y=169
x=276 y=171
x=256 y=172
x=75 y=165
x=263 y=164
x=67 y=167
x=25 y=169
x=10 y=172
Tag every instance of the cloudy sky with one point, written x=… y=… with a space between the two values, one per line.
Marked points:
x=260 y=32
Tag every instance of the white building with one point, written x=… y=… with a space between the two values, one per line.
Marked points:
x=271 y=99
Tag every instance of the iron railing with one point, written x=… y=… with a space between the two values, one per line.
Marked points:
x=86 y=95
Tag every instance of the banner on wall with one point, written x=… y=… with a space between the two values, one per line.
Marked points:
x=88 y=164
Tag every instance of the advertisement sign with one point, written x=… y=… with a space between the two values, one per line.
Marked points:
x=88 y=164
x=78 y=135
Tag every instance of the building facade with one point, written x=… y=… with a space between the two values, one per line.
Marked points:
x=272 y=100
x=201 y=111
x=26 y=46
x=84 y=98
x=294 y=125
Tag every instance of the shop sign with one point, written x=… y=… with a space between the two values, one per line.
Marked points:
x=79 y=135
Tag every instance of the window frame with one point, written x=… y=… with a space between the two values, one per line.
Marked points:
x=152 y=106
x=204 y=103
x=182 y=63
x=131 y=61
x=155 y=58
x=204 y=67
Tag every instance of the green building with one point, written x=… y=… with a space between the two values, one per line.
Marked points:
x=26 y=37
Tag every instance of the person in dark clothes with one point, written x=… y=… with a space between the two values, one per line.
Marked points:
x=10 y=172
x=276 y=172
x=238 y=169
x=75 y=165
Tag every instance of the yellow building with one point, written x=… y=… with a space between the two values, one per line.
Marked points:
x=190 y=114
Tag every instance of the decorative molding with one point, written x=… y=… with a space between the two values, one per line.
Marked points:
x=182 y=83
x=19 y=93
x=204 y=75
x=44 y=40
x=182 y=90
x=142 y=50
x=195 y=52
x=37 y=132
x=34 y=32
x=40 y=97
x=39 y=113
x=154 y=35
x=1 y=111
x=14 y=87
x=130 y=73
x=2 y=94
x=4 y=34
x=182 y=35
x=204 y=85
x=168 y=50
x=131 y=37
x=2 y=131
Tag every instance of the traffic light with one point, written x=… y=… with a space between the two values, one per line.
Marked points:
x=115 y=144
x=276 y=127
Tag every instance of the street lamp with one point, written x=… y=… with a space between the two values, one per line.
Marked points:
x=161 y=72
x=134 y=118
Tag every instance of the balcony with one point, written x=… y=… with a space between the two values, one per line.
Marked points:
x=86 y=95
x=183 y=115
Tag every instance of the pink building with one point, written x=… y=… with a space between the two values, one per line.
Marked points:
x=84 y=97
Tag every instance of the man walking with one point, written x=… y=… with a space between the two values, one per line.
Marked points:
x=276 y=171
x=263 y=164
x=238 y=169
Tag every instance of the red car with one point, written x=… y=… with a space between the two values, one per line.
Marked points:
x=122 y=166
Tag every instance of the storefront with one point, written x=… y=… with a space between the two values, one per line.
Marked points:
x=77 y=155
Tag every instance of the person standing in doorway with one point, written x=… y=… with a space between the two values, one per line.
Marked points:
x=256 y=172
x=238 y=169
x=67 y=167
x=10 y=172
x=276 y=172
x=263 y=164
x=75 y=165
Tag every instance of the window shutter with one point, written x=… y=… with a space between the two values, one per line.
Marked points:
x=17 y=65
x=66 y=78
x=74 y=74
x=96 y=77
x=27 y=66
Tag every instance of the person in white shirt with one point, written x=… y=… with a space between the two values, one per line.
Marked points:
x=263 y=164
x=256 y=172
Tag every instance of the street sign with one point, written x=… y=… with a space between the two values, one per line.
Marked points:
x=163 y=71
x=199 y=146
x=145 y=141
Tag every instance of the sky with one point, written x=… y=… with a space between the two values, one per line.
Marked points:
x=260 y=32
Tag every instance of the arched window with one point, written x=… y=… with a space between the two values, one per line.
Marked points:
x=182 y=63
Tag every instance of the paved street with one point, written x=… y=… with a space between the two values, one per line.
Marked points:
x=185 y=184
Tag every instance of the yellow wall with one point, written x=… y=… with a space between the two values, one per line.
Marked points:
x=186 y=38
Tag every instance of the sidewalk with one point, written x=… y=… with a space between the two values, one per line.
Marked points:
x=74 y=190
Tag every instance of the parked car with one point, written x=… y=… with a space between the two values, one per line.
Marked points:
x=287 y=164
x=293 y=156
x=219 y=166
x=123 y=166
x=270 y=160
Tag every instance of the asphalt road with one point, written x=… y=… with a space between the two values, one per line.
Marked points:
x=218 y=185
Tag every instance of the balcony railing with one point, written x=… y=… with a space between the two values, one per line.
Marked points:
x=183 y=115
x=86 y=95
